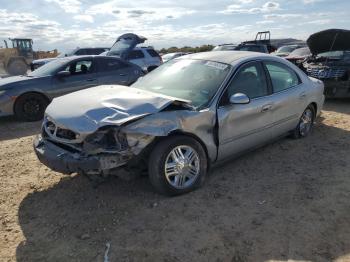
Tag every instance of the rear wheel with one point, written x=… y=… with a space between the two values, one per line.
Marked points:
x=177 y=165
x=30 y=107
x=306 y=123
x=17 y=67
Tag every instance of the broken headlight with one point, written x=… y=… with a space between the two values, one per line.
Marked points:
x=107 y=140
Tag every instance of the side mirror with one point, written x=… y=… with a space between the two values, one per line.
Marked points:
x=63 y=74
x=239 y=98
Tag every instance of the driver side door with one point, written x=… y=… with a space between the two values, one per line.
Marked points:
x=82 y=75
x=245 y=126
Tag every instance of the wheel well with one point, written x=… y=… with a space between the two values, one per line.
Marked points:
x=29 y=93
x=150 y=68
x=177 y=133
x=314 y=105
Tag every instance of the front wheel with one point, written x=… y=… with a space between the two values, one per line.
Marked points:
x=30 y=107
x=177 y=165
x=306 y=123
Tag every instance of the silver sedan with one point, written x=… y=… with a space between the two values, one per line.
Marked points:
x=181 y=119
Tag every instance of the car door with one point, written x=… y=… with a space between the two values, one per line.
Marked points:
x=113 y=71
x=289 y=97
x=81 y=74
x=244 y=126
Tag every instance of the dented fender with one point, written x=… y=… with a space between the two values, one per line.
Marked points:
x=200 y=124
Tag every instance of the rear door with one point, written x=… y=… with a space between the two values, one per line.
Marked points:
x=82 y=75
x=113 y=71
x=244 y=126
x=289 y=96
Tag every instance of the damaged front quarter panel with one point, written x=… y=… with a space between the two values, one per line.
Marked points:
x=198 y=124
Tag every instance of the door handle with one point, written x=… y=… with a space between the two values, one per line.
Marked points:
x=266 y=108
x=122 y=74
x=302 y=95
x=91 y=80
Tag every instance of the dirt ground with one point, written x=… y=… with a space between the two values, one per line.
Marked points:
x=288 y=201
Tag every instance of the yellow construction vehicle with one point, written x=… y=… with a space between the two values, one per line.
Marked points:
x=16 y=59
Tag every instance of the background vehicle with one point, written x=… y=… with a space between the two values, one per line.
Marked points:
x=145 y=57
x=212 y=106
x=17 y=58
x=330 y=61
x=284 y=51
x=262 y=43
x=260 y=48
x=298 y=56
x=224 y=47
x=170 y=56
x=77 y=52
x=28 y=96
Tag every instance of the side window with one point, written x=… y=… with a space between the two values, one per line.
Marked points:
x=80 y=67
x=111 y=65
x=282 y=77
x=250 y=80
x=152 y=53
x=136 y=54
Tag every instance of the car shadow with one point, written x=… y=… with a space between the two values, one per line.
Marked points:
x=11 y=128
x=285 y=201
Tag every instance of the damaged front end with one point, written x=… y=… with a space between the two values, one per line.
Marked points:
x=330 y=61
x=334 y=74
x=101 y=152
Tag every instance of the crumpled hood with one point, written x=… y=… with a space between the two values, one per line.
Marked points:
x=87 y=110
x=329 y=40
x=6 y=83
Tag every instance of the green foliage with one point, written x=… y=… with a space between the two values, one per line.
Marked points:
x=187 y=49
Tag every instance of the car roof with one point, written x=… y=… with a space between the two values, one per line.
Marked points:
x=70 y=58
x=227 y=57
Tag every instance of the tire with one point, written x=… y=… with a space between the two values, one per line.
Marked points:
x=17 y=67
x=190 y=174
x=30 y=107
x=306 y=123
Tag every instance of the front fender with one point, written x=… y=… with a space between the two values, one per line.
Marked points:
x=200 y=124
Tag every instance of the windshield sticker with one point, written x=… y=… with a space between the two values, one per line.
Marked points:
x=216 y=65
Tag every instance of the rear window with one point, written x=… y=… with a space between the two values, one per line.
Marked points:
x=136 y=54
x=95 y=51
x=152 y=53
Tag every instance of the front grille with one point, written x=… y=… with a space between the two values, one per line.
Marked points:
x=326 y=73
x=52 y=130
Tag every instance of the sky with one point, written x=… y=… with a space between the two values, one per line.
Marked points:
x=67 y=24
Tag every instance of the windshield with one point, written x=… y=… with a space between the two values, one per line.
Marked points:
x=305 y=51
x=194 y=80
x=69 y=53
x=286 y=49
x=49 y=69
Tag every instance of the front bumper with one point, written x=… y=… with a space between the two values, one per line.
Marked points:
x=6 y=105
x=66 y=162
